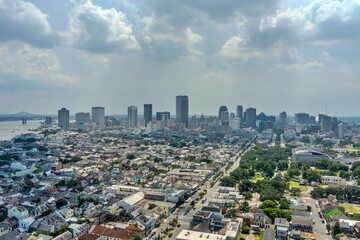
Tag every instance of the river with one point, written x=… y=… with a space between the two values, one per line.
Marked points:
x=10 y=129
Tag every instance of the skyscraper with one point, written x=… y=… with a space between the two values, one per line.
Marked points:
x=240 y=112
x=302 y=118
x=159 y=115
x=82 y=118
x=182 y=110
x=250 y=117
x=98 y=116
x=326 y=124
x=147 y=113
x=221 y=110
x=64 y=118
x=132 y=116
x=283 y=117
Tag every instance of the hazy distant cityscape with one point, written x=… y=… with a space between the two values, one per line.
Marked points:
x=236 y=174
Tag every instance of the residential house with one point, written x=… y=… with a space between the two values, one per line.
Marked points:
x=261 y=219
x=281 y=228
x=78 y=229
x=64 y=236
x=25 y=223
x=18 y=212
x=5 y=228
x=301 y=223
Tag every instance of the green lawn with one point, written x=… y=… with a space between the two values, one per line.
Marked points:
x=293 y=184
x=334 y=212
x=351 y=208
x=303 y=188
x=257 y=178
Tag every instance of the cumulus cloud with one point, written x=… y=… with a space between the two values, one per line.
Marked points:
x=23 y=65
x=100 y=30
x=235 y=48
x=312 y=22
x=23 y=21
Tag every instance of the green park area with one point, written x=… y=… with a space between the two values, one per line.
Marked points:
x=293 y=184
x=351 y=208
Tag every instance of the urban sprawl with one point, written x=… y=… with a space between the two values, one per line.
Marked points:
x=241 y=175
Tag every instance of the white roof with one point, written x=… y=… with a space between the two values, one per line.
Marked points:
x=133 y=199
x=189 y=235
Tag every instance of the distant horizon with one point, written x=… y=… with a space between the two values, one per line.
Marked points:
x=174 y=115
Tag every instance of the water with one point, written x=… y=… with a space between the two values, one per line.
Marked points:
x=10 y=129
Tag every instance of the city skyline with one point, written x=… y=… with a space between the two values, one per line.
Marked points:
x=276 y=55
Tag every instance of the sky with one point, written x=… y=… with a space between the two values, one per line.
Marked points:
x=293 y=55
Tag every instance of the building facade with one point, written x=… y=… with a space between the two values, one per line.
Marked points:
x=64 y=118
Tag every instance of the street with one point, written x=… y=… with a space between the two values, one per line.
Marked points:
x=320 y=228
x=185 y=220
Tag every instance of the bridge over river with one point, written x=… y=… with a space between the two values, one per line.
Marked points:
x=21 y=116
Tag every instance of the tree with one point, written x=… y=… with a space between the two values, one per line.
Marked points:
x=247 y=195
x=136 y=236
x=268 y=204
x=293 y=171
x=336 y=229
x=245 y=207
x=282 y=165
x=284 y=203
x=245 y=185
x=245 y=229
x=313 y=175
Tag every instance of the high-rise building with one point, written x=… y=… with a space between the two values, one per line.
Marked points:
x=262 y=117
x=82 y=117
x=302 y=118
x=283 y=117
x=48 y=120
x=271 y=118
x=221 y=110
x=147 y=113
x=326 y=124
x=160 y=114
x=98 y=116
x=182 y=110
x=64 y=118
x=132 y=116
x=240 y=112
x=250 y=117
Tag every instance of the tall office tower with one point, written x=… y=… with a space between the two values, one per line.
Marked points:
x=232 y=115
x=182 y=110
x=320 y=118
x=48 y=120
x=221 y=110
x=64 y=118
x=159 y=115
x=98 y=116
x=132 y=116
x=147 y=113
x=334 y=123
x=312 y=120
x=240 y=112
x=261 y=117
x=271 y=118
x=302 y=118
x=326 y=124
x=193 y=122
x=82 y=118
x=283 y=117
x=250 y=118
x=341 y=129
